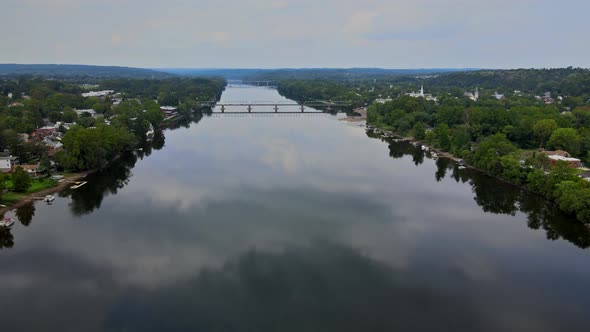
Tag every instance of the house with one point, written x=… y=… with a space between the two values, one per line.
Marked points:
x=421 y=94
x=547 y=99
x=558 y=153
x=7 y=162
x=573 y=162
x=585 y=175
x=32 y=170
x=473 y=96
x=169 y=110
x=41 y=133
x=497 y=95
x=89 y=111
x=53 y=146
x=99 y=94
x=66 y=125
x=382 y=100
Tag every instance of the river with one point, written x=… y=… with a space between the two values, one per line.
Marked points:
x=291 y=223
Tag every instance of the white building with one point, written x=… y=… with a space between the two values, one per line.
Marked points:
x=89 y=111
x=421 y=94
x=497 y=95
x=382 y=100
x=473 y=96
x=102 y=93
x=7 y=162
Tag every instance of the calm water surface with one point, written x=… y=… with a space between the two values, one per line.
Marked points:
x=291 y=223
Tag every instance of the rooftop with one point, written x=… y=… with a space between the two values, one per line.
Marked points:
x=558 y=157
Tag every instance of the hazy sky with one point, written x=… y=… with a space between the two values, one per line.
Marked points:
x=297 y=33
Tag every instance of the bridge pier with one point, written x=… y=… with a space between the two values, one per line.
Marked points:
x=249 y=108
x=276 y=108
x=302 y=108
x=222 y=108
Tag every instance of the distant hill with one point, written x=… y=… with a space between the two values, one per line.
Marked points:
x=309 y=73
x=74 y=71
x=235 y=74
x=569 y=81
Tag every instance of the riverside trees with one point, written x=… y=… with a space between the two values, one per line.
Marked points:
x=89 y=148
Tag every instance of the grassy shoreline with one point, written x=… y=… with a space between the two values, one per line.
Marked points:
x=14 y=200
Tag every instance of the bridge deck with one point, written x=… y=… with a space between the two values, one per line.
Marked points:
x=270 y=112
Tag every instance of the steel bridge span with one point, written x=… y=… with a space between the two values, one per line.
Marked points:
x=275 y=105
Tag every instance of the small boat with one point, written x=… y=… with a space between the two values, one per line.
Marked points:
x=462 y=167
x=7 y=222
x=49 y=198
x=78 y=185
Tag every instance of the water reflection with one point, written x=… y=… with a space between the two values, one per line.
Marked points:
x=497 y=197
x=108 y=181
x=25 y=213
x=322 y=287
x=6 y=238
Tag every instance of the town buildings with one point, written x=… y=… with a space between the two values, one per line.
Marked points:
x=472 y=95
x=421 y=94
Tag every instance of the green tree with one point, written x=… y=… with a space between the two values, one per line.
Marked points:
x=566 y=139
x=69 y=115
x=21 y=181
x=490 y=151
x=543 y=130
x=2 y=184
x=443 y=137
x=574 y=197
x=512 y=169
x=46 y=165
x=419 y=131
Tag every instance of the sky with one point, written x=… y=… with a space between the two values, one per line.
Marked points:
x=297 y=33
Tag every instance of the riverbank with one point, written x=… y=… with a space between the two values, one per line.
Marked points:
x=444 y=154
x=59 y=186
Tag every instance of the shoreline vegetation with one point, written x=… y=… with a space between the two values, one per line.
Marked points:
x=55 y=126
x=21 y=199
x=526 y=127
x=63 y=184
x=386 y=134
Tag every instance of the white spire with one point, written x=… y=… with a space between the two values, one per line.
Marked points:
x=422 y=90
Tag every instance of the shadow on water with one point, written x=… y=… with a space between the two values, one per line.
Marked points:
x=323 y=287
x=497 y=197
x=6 y=238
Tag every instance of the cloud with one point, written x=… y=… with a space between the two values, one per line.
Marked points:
x=116 y=39
x=306 y=33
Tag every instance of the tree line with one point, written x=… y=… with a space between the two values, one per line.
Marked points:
x=120 y=120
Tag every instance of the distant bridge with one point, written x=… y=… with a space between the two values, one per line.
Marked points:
x=275 y=105
x=267 y=114
x=237 y=83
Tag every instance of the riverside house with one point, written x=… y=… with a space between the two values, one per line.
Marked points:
x=560 y=155
x=32 y=170
x=7 y=162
